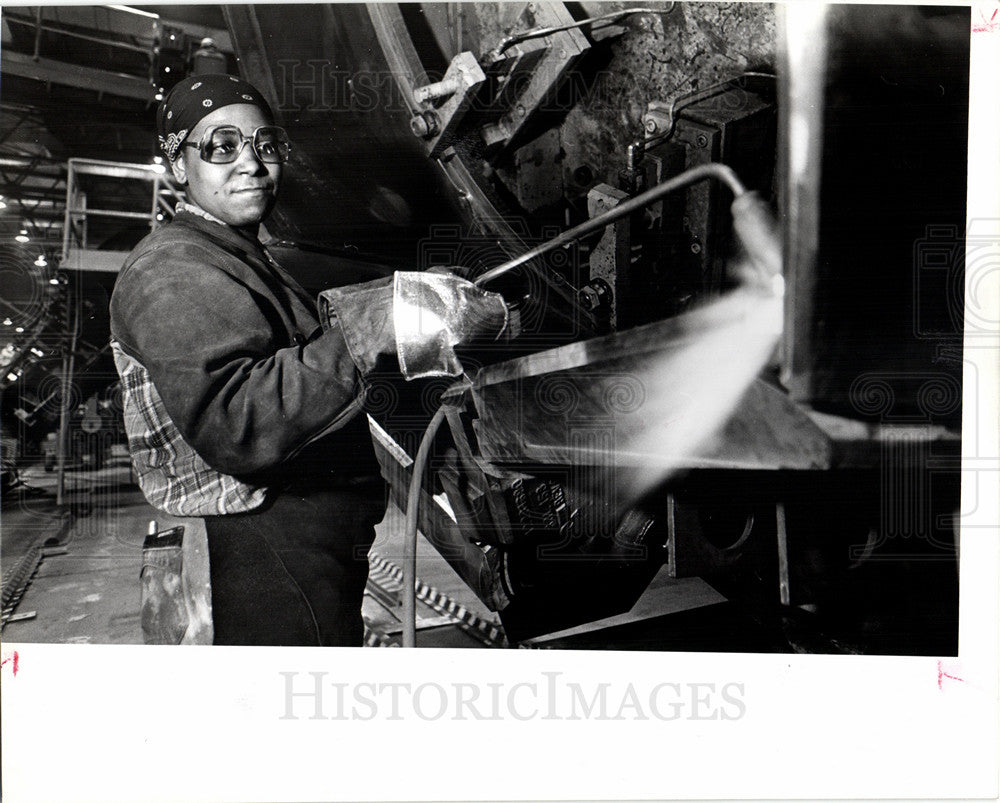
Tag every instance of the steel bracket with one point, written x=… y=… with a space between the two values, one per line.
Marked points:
x=459 y=86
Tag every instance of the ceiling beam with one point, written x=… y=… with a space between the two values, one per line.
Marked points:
x=77 y=76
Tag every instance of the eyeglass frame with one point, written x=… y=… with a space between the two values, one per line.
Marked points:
x=207 y=137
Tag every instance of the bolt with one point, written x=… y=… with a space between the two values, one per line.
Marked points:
x=634 y=154
x=531 y=8
x=441 y=89
x=424 y=125
x=650 y=125
x=695 y=247
x=521 y=110
x=701 y=141
x=563 y=54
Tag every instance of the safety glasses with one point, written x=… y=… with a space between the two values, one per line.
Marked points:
x=224 y=144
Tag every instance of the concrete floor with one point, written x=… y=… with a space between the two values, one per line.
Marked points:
x=86 y=589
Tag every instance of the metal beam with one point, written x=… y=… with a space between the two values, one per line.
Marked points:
x=99 y=167
x=13 y=129
x=77 y=76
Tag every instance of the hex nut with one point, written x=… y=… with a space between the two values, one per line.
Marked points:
x=590 y=299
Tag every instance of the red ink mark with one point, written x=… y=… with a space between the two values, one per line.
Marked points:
x=12 y=661
x=942 y=675
x=988 y=25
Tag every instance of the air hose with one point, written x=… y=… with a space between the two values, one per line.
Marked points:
x=410 y=533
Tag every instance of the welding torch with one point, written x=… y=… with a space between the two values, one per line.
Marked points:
x=752 y=220
x=756 y=229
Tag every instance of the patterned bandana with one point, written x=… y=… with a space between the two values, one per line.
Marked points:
x=195 y=97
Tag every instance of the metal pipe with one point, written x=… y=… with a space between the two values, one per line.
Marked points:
x=155 y=203
x=696 y=96
x=116 y=213
x=69 y=359
x=535 y=33
x=695 y=174
x=38 y=34
x=67 y=219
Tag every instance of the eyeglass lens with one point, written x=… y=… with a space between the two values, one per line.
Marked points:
x=270 y=143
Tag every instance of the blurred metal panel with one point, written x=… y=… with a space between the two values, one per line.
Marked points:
x=358 y=179
x=876 y=212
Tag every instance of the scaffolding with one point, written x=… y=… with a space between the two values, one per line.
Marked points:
x=77 y=250
x=79 y=255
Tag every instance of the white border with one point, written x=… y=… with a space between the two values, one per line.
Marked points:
x=146 y=723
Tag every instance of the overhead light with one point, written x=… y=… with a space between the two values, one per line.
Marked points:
x=53 y=280
x=157 y=160
x=167 y=69
x=7 y=322
x=12 y=377
x=40 y=262
x=37 y=352
x=22 y=238
x=19 y=329
x=138 y=11
x=3 y=204
x=158 y=96
x=159 y=169
x=159 y=216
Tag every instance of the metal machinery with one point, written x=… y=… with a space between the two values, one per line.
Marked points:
x=825 y=510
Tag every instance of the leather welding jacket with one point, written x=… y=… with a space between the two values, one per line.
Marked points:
x=235 y=351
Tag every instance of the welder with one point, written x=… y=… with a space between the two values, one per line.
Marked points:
x=240 y=408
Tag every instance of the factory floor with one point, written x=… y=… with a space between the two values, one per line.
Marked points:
x=86 y=587
x=71 y=575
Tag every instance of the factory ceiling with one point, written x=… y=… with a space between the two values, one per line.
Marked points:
x=82 y=82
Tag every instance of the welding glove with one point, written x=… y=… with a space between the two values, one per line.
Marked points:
x=419 y=316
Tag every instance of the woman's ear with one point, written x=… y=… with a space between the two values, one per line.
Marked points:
x=179 y=169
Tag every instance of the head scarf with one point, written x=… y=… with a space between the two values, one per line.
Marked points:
x=195 y=97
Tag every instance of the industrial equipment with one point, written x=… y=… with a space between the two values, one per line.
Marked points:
x=472 y=134
x=701 y=430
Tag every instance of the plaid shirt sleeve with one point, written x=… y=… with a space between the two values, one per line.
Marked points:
x=172 y=475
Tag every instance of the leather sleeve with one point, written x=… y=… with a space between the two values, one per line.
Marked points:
x=239 y=394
